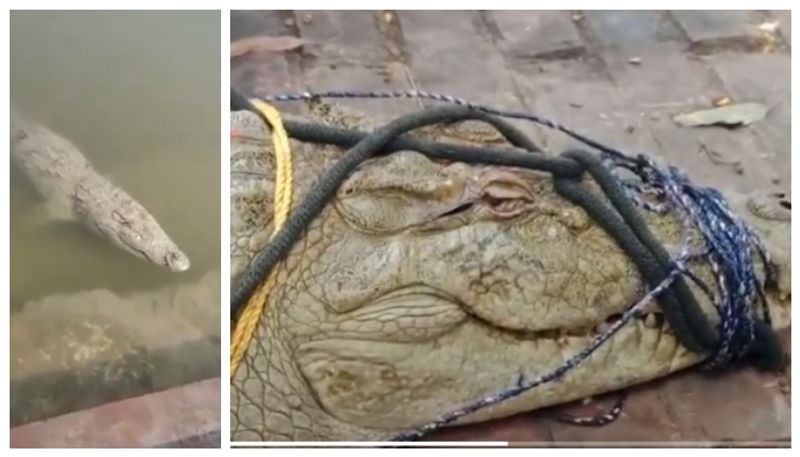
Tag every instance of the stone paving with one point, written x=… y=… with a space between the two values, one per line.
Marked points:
x=185 y=416
x=617 y=76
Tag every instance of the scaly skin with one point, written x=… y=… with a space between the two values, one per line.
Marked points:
x=73 y=190
x=393 y=309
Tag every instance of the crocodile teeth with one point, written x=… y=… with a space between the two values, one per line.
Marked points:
x=650 y=321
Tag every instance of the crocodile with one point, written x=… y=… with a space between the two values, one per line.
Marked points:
x=74 y=191
x=425 y=285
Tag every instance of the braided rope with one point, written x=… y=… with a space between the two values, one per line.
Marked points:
x=248 y=321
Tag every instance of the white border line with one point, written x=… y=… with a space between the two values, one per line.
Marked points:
x=225 y=208
x=5 y=226
x=225 y=216
x=370 y=444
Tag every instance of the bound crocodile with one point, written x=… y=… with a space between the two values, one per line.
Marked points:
x=425 y=286
x=74 y=191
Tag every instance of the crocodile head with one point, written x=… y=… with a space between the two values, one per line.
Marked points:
x=425 y=286
x=112 y=212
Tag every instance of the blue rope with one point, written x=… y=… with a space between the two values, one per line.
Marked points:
x=728 y=249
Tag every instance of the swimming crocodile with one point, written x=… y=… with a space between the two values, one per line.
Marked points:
x=74 y=191
x=425 y=286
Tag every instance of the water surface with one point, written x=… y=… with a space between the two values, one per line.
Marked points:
x=138 y=93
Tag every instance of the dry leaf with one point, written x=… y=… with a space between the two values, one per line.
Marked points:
x=266 y=44
x=731 y=115
x=635 y=61
x=721 y=101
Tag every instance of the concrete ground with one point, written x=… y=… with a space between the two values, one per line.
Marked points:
x=185 y=416
x=617 y=76
x=100 y=369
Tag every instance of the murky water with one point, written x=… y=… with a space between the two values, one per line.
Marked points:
x=138 y=93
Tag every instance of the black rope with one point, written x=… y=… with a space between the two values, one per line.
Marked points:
x=502 y=156
x=329 y=183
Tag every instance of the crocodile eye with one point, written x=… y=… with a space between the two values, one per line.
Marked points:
x=504 y=206
x=506 y=195
x=786 y=204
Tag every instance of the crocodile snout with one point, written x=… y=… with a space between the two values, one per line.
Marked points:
x=177 y=261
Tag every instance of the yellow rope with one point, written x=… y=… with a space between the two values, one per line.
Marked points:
x=282 y=201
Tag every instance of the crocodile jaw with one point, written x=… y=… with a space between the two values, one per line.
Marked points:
x=393 y=385
x=346 y=386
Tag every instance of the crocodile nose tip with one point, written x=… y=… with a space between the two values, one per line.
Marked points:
x=183 y=266
x=178 y=262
